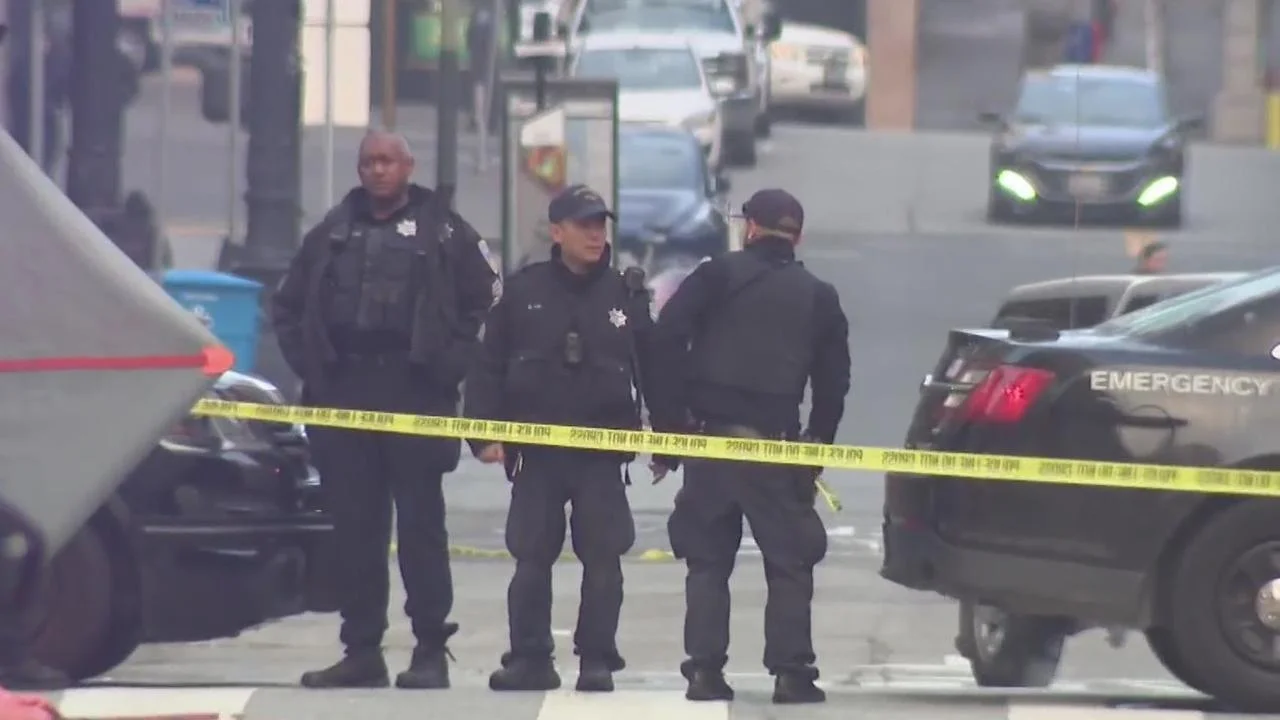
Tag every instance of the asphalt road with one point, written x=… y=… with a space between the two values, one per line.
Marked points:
x=895 y=222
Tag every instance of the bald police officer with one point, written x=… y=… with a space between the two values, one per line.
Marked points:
x=735 y=346
x=381 y=310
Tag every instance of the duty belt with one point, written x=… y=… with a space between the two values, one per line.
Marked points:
x=711 y=427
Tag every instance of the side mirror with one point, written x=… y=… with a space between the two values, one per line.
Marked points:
x=772 y=27
x=991 y=118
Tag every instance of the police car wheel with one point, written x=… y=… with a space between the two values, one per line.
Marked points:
x=1006 y=650
x=1160 y=640
x=1223 y=600
x=72 y=620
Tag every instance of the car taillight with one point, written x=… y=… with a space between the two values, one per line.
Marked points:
x=1005 y=394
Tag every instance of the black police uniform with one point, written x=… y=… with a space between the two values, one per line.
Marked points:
x=385 y=314
x=564 y=348
x=737 y=343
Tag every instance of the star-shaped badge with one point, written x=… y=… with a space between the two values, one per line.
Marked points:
x=407 y=227
x=617 y=317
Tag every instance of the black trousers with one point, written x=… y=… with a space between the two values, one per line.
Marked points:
x=603 y=531
x=362 y=475
x=705 y=530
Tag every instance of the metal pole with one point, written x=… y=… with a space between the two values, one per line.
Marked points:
x=36 y=85
x=449 y=80
x=330 y=26
x=389 y=64
x=166 y=107
x=233 y=127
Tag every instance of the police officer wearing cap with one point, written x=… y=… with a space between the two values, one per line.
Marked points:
x=381 y=310
x=736 y=345
x=566 y=344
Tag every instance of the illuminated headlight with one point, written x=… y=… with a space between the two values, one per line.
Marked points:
x=1159 y=190
x=1017 y=185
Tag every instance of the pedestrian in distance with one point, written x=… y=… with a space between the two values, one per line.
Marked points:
x=736 y=345
x=1153 y=259
x=381 y=310
x=567 y=344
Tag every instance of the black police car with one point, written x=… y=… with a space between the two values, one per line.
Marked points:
x=1193 y=380
x=667 y=199
x=1093 y=137
x=219 y=529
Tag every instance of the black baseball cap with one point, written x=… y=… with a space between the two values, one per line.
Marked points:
x=775 y=210
x=577 y=202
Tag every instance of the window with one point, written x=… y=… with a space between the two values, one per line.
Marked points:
x=659 y=162
x=1060 y=313
x=659 y=16
x=1137 y=302
x=1100 y=101
x=1198 y=305
x=641 y=69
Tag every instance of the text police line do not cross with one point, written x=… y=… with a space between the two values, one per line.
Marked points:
x=845 y=457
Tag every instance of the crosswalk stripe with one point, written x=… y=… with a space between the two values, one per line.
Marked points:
x=1031 y=711
x=627 y=705
x=115 y=702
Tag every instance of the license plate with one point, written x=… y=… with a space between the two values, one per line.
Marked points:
x=1087 y=185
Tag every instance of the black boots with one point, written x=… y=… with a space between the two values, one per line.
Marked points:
x=790 y=687
x=526 y=674
x=358 y=669
x=29 y=675
x=705 y=684
x=429 y=668
x=796 y=687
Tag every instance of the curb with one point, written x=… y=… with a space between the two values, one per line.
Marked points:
x=470 y=552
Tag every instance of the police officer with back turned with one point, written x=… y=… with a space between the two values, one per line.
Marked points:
x=566 y=344
x=381 y=310
x=736 y=345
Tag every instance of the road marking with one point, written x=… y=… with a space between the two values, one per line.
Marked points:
x=627 y=705
x=154 y=702
x=1031 y=711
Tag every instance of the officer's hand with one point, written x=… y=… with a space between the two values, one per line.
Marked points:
x=659 y=471
x=492 y=454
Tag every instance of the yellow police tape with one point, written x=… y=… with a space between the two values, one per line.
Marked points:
x=845 y=457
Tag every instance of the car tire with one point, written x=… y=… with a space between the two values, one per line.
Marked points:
x=76 y=627
x=855 y=116
x=1171 y=216
x=764 y=124
x=1160 y=640
x=739 y=151
x=1009 y=651
x=997 y=211
x=1213 y=592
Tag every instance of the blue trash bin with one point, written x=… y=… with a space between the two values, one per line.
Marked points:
x=227 y=304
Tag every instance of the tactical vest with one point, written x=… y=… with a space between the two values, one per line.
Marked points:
x=378 y=273
x=759 y=338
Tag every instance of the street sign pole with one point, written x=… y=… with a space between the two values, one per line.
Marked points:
x=166 y=108
x=233 y=127
x=330 y=30
x=35 y=84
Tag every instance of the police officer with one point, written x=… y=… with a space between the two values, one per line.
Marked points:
x=1153 y=259
x=381 y=310
x=565 y=345
x=736 y=344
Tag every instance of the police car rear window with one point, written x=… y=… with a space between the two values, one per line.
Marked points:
x=1196 y=305
x=1061 y=313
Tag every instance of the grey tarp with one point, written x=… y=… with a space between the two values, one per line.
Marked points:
x=67 y=438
